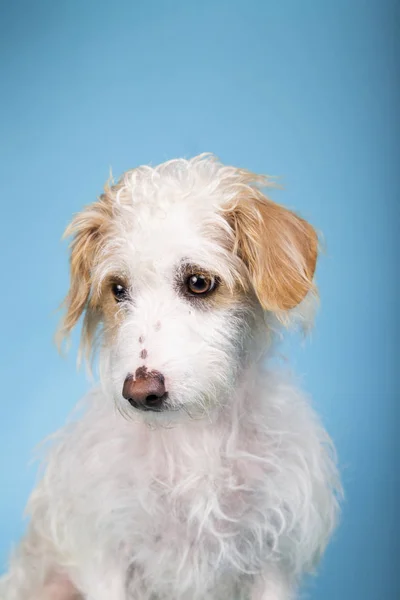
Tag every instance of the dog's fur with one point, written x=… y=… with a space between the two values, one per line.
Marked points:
x=232 y=492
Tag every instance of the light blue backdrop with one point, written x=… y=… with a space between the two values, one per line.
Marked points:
x=302 y=89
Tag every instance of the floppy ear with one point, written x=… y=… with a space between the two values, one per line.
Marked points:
x=279 y=249
x=87 y=232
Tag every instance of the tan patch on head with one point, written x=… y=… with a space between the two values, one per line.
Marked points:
x=230 y=297
x=111 y=312
x=278 y=248
x=90 y=230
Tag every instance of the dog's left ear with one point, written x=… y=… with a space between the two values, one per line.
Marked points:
x=278 y=248
x=87 y=231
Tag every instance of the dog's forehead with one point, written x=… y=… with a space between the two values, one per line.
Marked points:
x=169 y=230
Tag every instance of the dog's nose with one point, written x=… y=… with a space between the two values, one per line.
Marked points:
x=145 y=390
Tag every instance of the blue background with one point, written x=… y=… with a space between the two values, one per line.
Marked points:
x=305 y=90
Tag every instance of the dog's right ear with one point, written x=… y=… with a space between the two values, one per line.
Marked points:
x=87 y=230
x=278 y=248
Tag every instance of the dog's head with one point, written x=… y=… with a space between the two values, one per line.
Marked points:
x=175 y=268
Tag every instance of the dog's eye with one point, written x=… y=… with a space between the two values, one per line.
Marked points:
x=200 y=285
x=119 y=291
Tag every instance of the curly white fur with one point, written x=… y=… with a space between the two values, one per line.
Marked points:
x=231 y=492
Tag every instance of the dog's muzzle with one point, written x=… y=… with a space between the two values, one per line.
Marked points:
x=145 y=390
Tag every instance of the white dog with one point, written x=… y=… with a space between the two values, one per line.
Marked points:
x=193 y=473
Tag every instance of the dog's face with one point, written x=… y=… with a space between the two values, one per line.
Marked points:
x=177 y=265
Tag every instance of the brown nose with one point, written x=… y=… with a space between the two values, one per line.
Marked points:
x=145 y=390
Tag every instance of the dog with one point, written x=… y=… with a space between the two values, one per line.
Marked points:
x=194 y=471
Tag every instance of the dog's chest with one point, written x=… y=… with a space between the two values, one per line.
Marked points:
x=184 y=513
x=197 y=516
x=195 y=538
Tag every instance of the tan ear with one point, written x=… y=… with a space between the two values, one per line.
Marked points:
x=87 y=231
x=279 y=249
